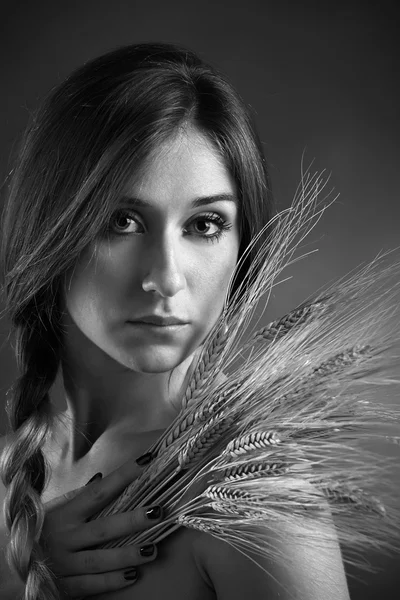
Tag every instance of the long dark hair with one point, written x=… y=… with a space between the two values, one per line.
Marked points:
x=74 y=161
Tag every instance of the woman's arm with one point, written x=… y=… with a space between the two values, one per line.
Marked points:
x=306 y=570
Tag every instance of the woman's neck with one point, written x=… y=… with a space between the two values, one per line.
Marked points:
x=91 y=410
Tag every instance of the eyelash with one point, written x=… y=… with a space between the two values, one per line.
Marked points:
x=224 y=226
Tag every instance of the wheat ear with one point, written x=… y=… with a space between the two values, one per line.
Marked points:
x=191 y=419
x=350 y=357
x=393 y=439
x=199 y=524
x=250 y=442
x=254 y=470
x=219 y=492
x=234 y=509
x=331 y=368
x=225 y=500
x=343 y=494
x=280 y=327
x=206 y=365
x=203 y=441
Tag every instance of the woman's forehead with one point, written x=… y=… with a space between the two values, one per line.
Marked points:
x=187 y=163
x=187 y=141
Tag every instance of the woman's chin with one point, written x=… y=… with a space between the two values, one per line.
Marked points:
x=152 y=361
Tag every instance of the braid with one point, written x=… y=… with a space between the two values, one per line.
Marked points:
x=23 y=467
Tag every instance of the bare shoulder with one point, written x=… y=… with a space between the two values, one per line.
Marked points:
x=230 y=572
x=292 y=569
x=177 y=573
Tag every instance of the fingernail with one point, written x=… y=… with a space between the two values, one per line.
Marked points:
x=131 y=574
x=145 y=459
x=147 y=550
x=154 y=512
x=97 y=476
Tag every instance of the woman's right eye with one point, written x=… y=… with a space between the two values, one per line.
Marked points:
x=121 y=216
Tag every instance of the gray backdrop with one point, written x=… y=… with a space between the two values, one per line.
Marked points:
x=321 y=76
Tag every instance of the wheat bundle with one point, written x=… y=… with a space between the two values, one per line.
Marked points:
x=283 y=437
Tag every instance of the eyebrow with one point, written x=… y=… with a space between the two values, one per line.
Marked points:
x=200 y=201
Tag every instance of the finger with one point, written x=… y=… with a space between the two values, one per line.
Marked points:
x=88 y=585
x=100 y=531
x=109 y=559
x=98 y=494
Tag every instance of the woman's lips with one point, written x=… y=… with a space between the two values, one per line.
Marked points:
x=158 y=328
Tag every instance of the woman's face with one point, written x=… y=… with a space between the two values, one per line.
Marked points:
x=162 y=255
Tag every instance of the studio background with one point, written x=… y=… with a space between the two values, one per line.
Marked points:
x=322 y=79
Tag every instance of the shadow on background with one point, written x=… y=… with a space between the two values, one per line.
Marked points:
x=384 y=584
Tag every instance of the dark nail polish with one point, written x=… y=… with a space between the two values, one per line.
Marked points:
x=131 y=574
x=97 y=476
x=154 y=512
x=145 y=459
x=147 y=550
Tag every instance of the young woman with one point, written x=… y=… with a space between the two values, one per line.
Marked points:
x=139 y=184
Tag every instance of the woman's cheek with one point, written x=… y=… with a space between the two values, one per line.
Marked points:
x=212 y=285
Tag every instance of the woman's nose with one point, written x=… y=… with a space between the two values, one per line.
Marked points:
x=163 y=268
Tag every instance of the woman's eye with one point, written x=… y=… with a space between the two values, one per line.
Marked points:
x=206 y=225
x=211 y=222
x=121 y=217
x=209 y=227
x=124 y=217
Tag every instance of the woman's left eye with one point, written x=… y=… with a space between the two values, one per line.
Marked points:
x=211 y=218
x=221 y=226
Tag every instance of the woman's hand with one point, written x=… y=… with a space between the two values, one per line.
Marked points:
x=69 y=542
